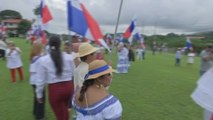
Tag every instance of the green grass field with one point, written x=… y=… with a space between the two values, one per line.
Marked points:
x=154 y=89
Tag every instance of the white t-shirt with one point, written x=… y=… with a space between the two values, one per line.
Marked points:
x=33 y=69
x=14 y=59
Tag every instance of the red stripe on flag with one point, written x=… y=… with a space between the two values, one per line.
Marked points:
x=46 y=15
x=93 y=25
x=128 y=33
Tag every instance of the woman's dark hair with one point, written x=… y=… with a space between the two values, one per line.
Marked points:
x=86 y=84
x=55 y=53
x=84 y=58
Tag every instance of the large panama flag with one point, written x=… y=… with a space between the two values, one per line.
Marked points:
x=130 y=29
x=81 y=22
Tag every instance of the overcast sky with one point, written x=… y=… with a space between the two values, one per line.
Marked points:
x=153 y=16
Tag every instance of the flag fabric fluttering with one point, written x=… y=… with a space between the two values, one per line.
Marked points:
x=130 y=29
x=188 y=43
x=44 y=18
x=81 y=22
x=45 y=13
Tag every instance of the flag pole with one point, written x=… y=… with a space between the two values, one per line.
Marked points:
x=118 y=19
x=116 y=28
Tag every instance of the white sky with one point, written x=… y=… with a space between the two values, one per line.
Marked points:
x=153 y=16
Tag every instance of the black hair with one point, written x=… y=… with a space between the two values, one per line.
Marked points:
x=67 y=43
x=86 y=84
x=55 y=53
x=209 y=46
x=84 y=58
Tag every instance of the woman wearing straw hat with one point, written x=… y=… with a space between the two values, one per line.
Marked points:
x=93 y=101
x=56 y=69
x=87 y=55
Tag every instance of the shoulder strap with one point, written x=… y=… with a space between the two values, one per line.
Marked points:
x=87 y=105
x=35 y=59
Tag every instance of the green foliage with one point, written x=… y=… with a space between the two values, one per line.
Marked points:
x=36 y=11
x=24 y=26
x=175 y=41
x=9 y=14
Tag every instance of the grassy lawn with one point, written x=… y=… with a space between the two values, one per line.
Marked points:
x=154 y=89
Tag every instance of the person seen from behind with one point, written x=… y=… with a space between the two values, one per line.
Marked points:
x=57 y=70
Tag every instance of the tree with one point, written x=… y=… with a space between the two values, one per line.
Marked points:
x=36 y=10
x=9 y=14
x=24 y=26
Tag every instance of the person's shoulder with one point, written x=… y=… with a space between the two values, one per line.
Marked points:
x=44 y=58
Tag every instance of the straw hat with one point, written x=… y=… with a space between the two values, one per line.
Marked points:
x=98 y=68
x=86 y=49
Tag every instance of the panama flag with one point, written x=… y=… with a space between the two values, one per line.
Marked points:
x=130 y=29
x=81 y=22
x=188 y=43
x=44 y=18
x=45 y=13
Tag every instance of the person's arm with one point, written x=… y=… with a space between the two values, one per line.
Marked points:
x=40 y=82
x=17 y=49
x=205 y=56
x=9 y=51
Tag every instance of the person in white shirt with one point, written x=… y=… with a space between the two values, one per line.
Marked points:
x=56 y=69
x=93 y=101
x=178 y=57
x=191 y=56
x=36 y=54
x=3 y=47
x=203 y=94
x=14 y=62
x=87 y=54
x=139 y=52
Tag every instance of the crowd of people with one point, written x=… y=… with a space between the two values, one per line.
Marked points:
x=77 y=76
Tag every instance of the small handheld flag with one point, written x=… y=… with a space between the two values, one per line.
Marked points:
x=188 y=43
x=130 y=29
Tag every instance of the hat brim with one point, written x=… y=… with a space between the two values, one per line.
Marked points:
x=92 y=51
x=100 y=74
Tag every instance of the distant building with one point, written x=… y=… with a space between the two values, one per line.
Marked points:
x=11 y=26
